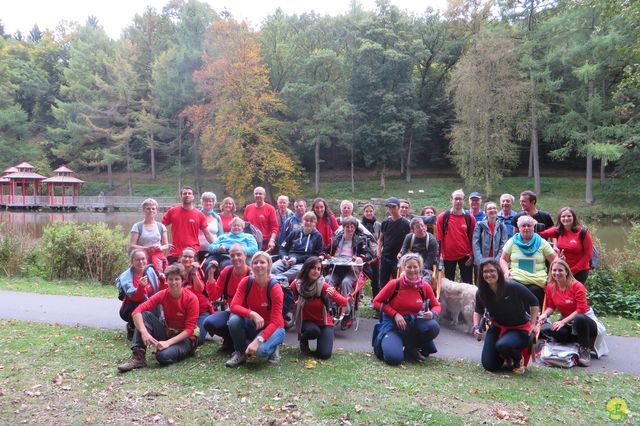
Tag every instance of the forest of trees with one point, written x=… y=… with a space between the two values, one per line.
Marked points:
x=485 y=86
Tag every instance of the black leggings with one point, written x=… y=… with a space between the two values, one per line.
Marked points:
x=323 y=335
x=466 y=272
x=582 y=330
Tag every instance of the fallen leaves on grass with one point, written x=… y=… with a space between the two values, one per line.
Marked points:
x=569 y=381
x=310 y=363
x=359 y=408
x=514 y=417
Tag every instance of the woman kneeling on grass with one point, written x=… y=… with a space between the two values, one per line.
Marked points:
x=173 y=339
x=256 y=324
x=313 y=319
x=578 y=323
x=512 y=311
x=411 y=310
x=137 y=284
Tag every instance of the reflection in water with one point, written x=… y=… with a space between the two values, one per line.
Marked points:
x=611 y=235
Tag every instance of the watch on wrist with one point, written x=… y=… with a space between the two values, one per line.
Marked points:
x=260 y=339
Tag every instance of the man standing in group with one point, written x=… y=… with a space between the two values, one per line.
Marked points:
x=454 y=232
x=263 y=216
x=528 y=202
x=475 y=206
x=186 y=222
x=294 y=222
x=405 y=208
x=282 y=212
x=506 y=214
x=392 y=232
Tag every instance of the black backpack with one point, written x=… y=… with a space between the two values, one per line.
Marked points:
x=287 y=291
x=467 y=219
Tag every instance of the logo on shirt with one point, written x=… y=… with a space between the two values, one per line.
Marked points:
x=418 y=300
x=191 y=221
x=264 y=304
x=179 y=314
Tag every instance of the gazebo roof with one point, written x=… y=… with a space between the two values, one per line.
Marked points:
x=63 y=169
x=63 y=179
x=4 y=180
x=24 y=175
x=24 y=165
x=10 y=170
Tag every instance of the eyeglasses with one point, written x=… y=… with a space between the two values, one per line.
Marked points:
x=489 y=271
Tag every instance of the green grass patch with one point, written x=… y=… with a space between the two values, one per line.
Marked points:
x=53 y=374
x=62 y=287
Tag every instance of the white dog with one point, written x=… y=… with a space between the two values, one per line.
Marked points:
x=456 y=298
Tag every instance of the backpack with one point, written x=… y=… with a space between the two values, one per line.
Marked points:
x=287 y=292
x=559 y=355
x=467 y=219
x=255 y=232
x=395 y=292
x=140 y=229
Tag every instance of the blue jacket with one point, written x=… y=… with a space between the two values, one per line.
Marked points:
x=508 y=221
x=125 y=281
x=293 y=223
x=227 y=240
x=301 y=245
x=482 y=240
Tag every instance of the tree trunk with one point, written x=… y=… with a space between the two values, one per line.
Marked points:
x=180 y=130
x=129 y=166
x=196 y=158
x=152 y=146
x=402 y=163
x=110 y=174
x=353 y=175
x=316 y=159
x=589 y=184
x=383 y=186
x=408 y=166
x=530 y=172
x=603 y=165
x=535 y=161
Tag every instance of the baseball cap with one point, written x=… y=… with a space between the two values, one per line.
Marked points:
x=475 y=195
x=393 y=201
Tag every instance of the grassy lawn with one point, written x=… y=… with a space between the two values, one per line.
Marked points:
x=65 y=287
x=52 y=374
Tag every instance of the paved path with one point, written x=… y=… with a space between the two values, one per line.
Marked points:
x=103 y=313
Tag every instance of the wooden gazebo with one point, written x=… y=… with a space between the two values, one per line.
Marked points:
x=63 y=189
x=24 y=186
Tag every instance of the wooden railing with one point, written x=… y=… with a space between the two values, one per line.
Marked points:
x=97 y=202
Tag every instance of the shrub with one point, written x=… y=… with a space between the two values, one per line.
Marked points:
x=13 y=250
x=84 y=251
x=608 y=294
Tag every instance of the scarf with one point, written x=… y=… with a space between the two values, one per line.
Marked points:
x=308 y=290
x=530 y=248
x=417 y=283
x=369 y=223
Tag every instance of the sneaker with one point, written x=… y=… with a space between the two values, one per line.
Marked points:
x=236 y=359
x=138 y=360
x=584 y=356
x=376 y=315
x=225 y=347
x=416 y=355
x=304 y=347
x=520 y=368
x=274 y=358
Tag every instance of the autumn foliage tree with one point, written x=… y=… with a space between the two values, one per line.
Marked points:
x=241 y=137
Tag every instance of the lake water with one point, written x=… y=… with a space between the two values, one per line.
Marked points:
x=611 y=235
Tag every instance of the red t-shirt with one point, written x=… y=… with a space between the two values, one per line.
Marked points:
x=180 y=314
x=408 y=300
x=456 y=243
x=492 y=229
x=185 y=227
x=257 y=301
x=577 y=253
x=264 y=218
x=140 y=294
x=312 y=309
x=195 y=284
x=215 y=289
x=574 y=298
x=226 y=222
x=326 y=229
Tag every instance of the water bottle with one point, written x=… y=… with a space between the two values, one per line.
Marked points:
x=425 y=308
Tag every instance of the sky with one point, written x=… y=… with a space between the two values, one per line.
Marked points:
x=115 y=15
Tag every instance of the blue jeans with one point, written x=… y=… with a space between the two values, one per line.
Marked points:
x=243 y=331
x=203 y=333
x=324 y=335
x=496 y=350
x=172 y=354
x=216 y=324
x=419 y=334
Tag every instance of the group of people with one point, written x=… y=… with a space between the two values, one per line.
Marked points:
x=220 y=276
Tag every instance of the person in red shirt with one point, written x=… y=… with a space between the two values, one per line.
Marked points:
x=257 y=315
x=570 y=244
x=173 y=339
x=456 y=238
x=194 y=282
x=411 y=311
x=313 y=319
x=263 y=216
x=223 y=289
x=327 y=223
x=186 y=222
x=227 y=212
x=577 y=322
x=137 y=283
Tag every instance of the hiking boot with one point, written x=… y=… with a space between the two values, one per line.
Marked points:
x=236 y=359
x=304 y=347
x=376 y=315
x=415 y=354
x=520 y=368
x=346 y=322
x=274 y=358
x=584 y=356
x=138 y=360
x=225 y=347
